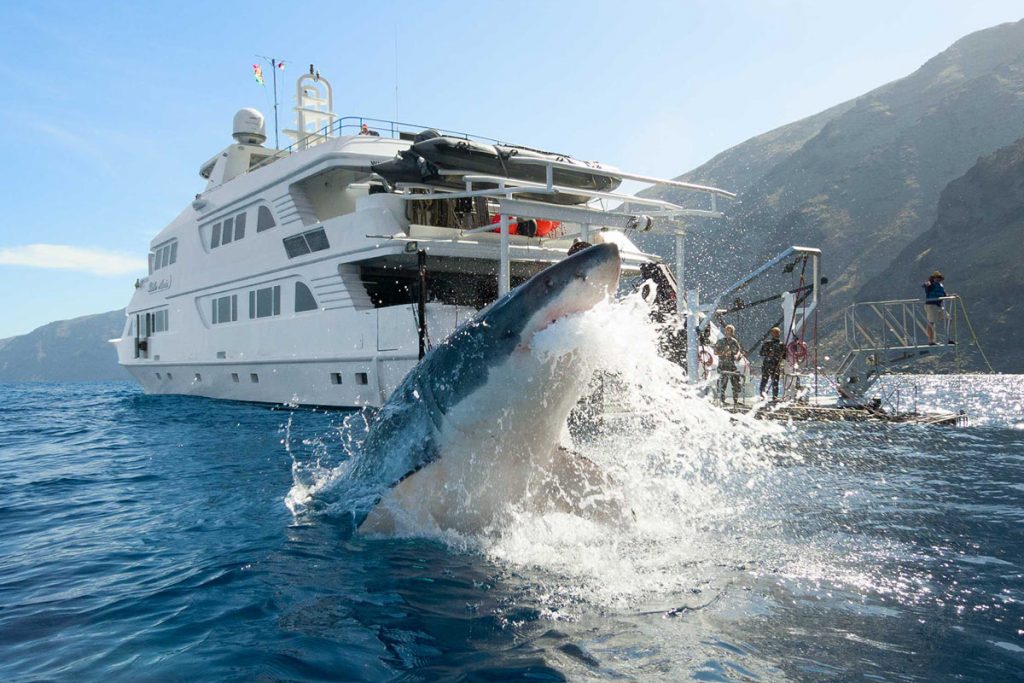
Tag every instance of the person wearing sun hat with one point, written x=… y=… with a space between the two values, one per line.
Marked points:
x=934 y=311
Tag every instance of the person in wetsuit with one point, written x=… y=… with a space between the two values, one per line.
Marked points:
x=772 y=352
x=728 y=351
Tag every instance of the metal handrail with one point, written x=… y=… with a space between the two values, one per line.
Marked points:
x=394 y=129
x=894 y=324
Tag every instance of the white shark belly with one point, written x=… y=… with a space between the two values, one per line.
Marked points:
x=500 y=453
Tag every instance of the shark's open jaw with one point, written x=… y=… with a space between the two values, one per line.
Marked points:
x=588 y=282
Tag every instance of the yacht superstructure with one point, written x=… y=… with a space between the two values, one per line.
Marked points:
x=297 y=275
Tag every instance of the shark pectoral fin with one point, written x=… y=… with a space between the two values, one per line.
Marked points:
x=579 y=486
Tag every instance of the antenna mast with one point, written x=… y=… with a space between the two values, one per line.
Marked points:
x=275 y=64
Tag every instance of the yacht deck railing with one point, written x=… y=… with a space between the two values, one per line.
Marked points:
x=352 y=125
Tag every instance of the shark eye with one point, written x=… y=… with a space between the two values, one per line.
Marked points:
x=549 y=283
x=581 y=275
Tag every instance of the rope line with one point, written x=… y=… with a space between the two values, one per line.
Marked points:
x=974 y=337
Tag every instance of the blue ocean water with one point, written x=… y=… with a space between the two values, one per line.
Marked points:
x=147 y=538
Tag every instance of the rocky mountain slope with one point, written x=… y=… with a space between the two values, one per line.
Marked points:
x=65 y=351
x=862 y=180
x=977 y=241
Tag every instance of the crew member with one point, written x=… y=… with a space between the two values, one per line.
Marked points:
x=772 y=352
x=934 y=311
x=728 y=351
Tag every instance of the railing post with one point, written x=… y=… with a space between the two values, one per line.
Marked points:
x=503 y=263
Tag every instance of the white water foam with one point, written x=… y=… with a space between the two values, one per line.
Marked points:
x=693 y=476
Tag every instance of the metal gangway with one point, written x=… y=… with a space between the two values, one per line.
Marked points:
x=885 y=335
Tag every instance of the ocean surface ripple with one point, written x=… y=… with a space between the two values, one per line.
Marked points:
x=147 y=538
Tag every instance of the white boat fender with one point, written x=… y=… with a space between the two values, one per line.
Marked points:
x=743 y=366
x=649 y=291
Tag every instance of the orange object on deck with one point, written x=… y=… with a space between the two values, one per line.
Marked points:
x=531 y=227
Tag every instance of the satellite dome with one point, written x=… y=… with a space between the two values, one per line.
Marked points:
x=249 y=127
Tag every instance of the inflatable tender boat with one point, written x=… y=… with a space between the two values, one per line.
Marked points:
x=432 y=151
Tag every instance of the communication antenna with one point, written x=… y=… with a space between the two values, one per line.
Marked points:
x=275 y=64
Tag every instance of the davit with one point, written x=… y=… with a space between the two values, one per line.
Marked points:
x=474 y=430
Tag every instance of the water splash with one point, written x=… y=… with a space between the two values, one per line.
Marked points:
x=694 y=477
x=331 y=456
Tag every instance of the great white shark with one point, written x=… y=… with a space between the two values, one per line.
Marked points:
x=476 y=426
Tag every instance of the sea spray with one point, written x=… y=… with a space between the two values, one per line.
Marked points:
x=330 y=456
x=695 y=478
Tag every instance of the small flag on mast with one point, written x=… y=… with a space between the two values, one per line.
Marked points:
x=280 y=65
x=257 y=72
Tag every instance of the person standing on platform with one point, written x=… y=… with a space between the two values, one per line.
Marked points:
x=772 y=352
x=934 y=310
x=728 y=351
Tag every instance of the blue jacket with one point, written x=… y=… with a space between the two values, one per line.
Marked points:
x=933 y=292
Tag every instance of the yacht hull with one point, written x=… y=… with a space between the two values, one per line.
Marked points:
x=338 y=383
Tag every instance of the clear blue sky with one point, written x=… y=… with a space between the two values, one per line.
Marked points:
x=109 y=108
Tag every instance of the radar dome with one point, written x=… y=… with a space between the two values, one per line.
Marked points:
x=249 y=127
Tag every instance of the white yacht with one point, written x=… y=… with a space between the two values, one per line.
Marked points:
x=317 y=274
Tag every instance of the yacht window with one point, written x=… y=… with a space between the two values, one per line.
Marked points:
x=304 y=243
x=317 y=240
x=362 y=378
x=335 y=378
x=304 y=300
x=225 y=233
x=264 y=219
x=234 y=377
x=160 y=321
x=266 y=302
x=296 y=246
x=254 y=378
x=163 y=256
x=225 y=309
